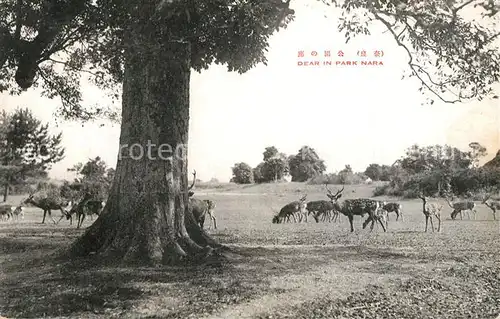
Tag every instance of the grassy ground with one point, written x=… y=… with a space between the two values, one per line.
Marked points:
x=296 y=270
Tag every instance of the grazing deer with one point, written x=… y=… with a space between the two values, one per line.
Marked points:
x=431 y=210
x=393 y=208
x=322 y=208
x=458 y=207
x=493 y=205
x=289 y=210
x=318 y=208
x=201 y=208
x=47 y=204
x=6 y=211
x=359 y=207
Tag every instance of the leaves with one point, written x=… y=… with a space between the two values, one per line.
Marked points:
x=306 y=164
x=454 y=58
x=242 y=174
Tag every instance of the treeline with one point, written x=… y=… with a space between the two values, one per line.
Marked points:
x=304 y=166
x=275 y=166
x=442 y=171
x=434 y=170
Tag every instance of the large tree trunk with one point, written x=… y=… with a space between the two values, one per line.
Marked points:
x=146 y=218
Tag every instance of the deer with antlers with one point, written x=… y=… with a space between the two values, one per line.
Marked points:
x=431 y=211
x=459 y=207
x=358 y=207
x=201 y=208
x=289 y=210
x=491 y=204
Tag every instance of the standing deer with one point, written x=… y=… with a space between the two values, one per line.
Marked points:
x=289 y=210
x=431 y=210
x=359 y=207
x=47 y=204
x=458 y=207
x=86 y=206
x=18 y=211
x=6 y=211
x=201 y=208
x=396 y=208
x=323 y=208
x=319 y=208
x=493 y=205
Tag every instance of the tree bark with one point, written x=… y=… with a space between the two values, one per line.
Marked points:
x=147 y=219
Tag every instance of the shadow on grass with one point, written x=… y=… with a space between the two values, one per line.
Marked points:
x=35 y=285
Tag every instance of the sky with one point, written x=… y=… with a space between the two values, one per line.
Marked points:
x=353 y=115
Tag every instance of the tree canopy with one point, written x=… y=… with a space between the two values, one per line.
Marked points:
x=242 y=173
x=305 y=164
x=50 y=43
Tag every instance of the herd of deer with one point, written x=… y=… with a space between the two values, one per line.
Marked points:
x=377 y=211
x=320 y=210
x=87 y=206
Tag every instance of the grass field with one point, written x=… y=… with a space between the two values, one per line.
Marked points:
x=294 y=270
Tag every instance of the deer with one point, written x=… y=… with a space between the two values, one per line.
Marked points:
x=319 y=208
x=492 y=204
x=458 y=207
x=359 y=207
x=431 y=210
x=47 y=204
x=18 y=211
x=6 y=211
x=289 y=210
x=201 y=208
x=396 y=208
x=86 y=206
x=324 y=208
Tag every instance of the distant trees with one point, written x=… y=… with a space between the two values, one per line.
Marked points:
x=305 y=165
x=242 y=174
x=273 y=168
x=435 y=157
x=439 y=170
x=27 y=150
x=378 y=172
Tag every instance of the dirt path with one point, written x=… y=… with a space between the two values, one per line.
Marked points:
x=331 y=279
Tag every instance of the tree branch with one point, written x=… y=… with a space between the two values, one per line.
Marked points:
x=410 y=62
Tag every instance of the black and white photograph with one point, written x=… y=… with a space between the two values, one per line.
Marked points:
x=257 y=159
